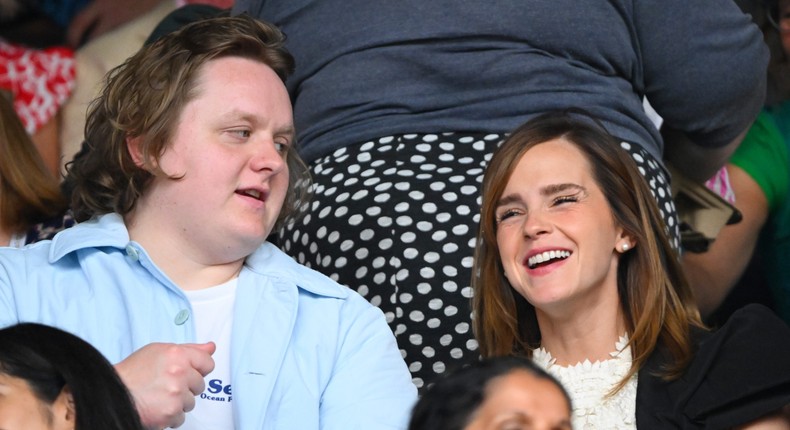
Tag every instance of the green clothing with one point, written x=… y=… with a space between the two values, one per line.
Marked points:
x=763 y=154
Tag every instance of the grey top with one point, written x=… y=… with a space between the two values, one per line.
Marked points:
x=371 y=68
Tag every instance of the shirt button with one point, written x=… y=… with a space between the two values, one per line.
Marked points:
x=132 y=252
x=181 y=317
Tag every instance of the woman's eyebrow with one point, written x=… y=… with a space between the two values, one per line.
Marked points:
x=552 y=189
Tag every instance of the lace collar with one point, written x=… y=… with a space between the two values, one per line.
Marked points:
x=589 y=383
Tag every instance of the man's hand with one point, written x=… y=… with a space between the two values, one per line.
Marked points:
x=164 y=379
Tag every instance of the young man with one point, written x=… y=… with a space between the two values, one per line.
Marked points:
x=191 y=166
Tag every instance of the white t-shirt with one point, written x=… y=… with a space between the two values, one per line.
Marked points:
x=212 y=310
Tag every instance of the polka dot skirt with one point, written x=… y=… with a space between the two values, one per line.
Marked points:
x=396 y=219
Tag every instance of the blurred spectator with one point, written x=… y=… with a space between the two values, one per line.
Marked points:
x=52 y=379
x=497 y=393
x=31 y=205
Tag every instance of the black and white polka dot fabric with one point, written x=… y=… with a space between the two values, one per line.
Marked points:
x=396 y=219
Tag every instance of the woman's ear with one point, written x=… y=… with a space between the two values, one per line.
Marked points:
x=64 y=410
x=625 y=243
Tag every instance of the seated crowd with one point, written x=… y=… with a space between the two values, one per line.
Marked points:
x=183 y=261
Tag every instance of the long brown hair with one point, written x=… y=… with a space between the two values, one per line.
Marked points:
x=656 y=300
x=29 y=194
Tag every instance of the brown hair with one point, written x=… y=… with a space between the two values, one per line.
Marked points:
x=29 y=194
x=655 y=298
x=145 y=96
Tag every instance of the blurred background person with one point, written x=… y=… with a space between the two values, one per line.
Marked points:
x=497 y=393
x=32 y=207
x=51 y=379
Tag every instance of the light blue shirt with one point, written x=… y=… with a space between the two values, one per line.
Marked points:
x=306 y=352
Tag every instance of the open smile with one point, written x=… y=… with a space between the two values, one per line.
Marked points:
x=546 y=257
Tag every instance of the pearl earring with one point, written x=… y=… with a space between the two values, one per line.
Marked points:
x=625 y=247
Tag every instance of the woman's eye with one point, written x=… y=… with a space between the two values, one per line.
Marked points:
x=565 y=199
x=505 y=215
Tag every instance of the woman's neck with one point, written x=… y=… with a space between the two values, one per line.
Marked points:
x=587 y=335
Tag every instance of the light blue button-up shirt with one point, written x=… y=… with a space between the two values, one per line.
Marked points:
x=306 y=352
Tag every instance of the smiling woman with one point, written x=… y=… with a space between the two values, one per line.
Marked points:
x=573 y=269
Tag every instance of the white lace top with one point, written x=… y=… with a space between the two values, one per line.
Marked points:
x=588 y=383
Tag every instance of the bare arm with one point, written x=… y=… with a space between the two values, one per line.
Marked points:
x=712 y=274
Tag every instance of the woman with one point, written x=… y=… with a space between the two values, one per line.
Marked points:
x=497 y=393
x=573 y=266
x=51 y=379
x=32 y=207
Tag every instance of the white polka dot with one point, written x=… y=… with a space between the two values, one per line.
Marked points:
x=450 y=311
x=324 y=212
x=429 y=208
x=431 y=257
x=424 y=288
x=403 y=221
x=428 y=352
x=373 y=211
x=337 y=178
x=379 y=278
x=450 y=197
x=346 y=245
x=423 y=147
x=427 y=273
x=340 y=262
x=384 y=221
x=385 y=244
x=468 y=261
x=415 y=366
x=417 y=159
x=321 y=232
x=449 y=248
x=456 y=353
x=416 y=316
x=462 y=328
x=445 y=340
x=355 y=219
x=472 y=344
x=450 y=286
x=463 y=210
x=437 y=186
x=429 y=138
x=438 y=367
x=460 y=230
x=384 y=186
x=402 y=207
x=406 y=298
x=360 y=273
x=400 y=328
x=439 y=235
x=435 y=304
x=359 y=195
x=443 y=217
x=326 y=261
x=341 y=211
x=447 y=146
x=415 y=339
x=416 y=195
x=411 y=253
x=366 y=234
x=333 y=237
x=408 y=237
x=424 y=226
x=466 y=160
x=378 y=262
x=434 y=323
x=467 y=292
x=446 y=158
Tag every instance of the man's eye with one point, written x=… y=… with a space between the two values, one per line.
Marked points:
x=241 y=133
x=282 y=147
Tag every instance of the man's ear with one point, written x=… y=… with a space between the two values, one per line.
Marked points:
x=133 y=146
x=64 y=410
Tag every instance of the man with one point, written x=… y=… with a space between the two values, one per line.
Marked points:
x=191 y=165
